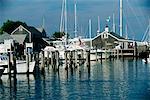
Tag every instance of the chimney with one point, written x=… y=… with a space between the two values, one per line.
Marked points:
x=106 y=29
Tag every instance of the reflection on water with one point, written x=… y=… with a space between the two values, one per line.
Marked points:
x=117 y=79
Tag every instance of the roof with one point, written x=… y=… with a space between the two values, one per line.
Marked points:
x=29 y=29
x=41 y=29
x=5 y=36
x=116 y=35
x=34 y=32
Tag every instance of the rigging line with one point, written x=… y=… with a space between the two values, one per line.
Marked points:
x=134 y=14
x=115 y=8
x=86 y=31
x=144 y=17
x=127 y=22
x=145 y=34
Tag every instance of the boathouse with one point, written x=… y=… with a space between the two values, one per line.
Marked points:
x=30 y=34
x=110 y=41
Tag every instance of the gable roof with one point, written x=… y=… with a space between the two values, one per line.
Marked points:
x=34 y=32
x=25 y=28
x=114 y=35
x=31 y=30
x=42 y=30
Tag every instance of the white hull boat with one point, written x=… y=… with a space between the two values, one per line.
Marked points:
x=21 y=65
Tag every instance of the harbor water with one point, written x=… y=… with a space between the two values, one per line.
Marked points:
x=119 y=79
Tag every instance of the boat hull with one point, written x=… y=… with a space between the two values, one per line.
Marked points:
x=21 y=67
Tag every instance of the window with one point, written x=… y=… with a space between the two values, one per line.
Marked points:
x=20 y=28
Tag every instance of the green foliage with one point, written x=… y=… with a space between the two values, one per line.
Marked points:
x=58 y=34
x=10 y=26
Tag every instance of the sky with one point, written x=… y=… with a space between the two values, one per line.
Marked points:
x=136 y=14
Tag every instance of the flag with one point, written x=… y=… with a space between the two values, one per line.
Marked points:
x=108 y=19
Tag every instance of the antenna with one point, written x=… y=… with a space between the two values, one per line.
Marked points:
x=121 y=17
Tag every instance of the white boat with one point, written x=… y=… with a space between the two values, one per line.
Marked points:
x=99 y=54
x=21 y=65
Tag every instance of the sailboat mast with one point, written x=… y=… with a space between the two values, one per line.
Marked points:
x=126 y=32
x=149 y=31
x=121 y=17
x=114 y=26
x=43 y=22
x=98 y=24
x=65 y=22
x=90 y=32
x=61 y=28
x=75 y=19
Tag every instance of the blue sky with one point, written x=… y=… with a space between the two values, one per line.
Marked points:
x=136 y=14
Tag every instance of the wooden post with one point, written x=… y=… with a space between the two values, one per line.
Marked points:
x=76 y=53
x=51 y=58
x=15 y=69
x=57 y=59
x=101 y=56
x=96 y=54
x=66 y=64
x=135 y=53
x=9 y=65
x=88 y=60
x=71 y=62
x=105 y=54
x=47 y=58
x=27 y=62
x=121 y=52
x=114 y=54
x=82 y=54
x=54 y=60
x=117 y=53
x=42 y=64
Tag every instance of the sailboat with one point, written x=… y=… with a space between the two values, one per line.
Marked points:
x=147 y=60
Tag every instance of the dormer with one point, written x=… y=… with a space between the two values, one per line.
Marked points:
x=104 y=35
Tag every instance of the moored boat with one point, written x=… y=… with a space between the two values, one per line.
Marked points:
x=21 y=66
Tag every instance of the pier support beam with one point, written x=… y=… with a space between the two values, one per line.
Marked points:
x=42 y=63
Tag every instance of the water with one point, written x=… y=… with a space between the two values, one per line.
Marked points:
x=127 y=79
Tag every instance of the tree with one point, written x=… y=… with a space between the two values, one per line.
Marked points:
x=58 y=34
x=10 y=26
